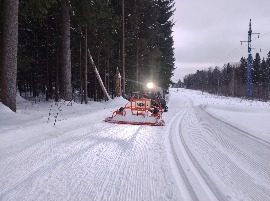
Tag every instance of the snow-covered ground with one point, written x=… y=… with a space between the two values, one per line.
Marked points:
x=212 y=148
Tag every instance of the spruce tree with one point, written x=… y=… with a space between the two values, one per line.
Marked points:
x=255 y=73
x=166 y=41
x=243 y=70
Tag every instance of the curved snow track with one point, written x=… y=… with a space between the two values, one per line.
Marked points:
x=214 y=160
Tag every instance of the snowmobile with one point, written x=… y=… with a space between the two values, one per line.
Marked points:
x=142 y=109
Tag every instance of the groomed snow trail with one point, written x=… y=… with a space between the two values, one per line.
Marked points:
x=84 y=158
x=214 y=160
x=196 y=156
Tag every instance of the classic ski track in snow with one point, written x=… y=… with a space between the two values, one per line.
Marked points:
x=101 y=162
x=233 y=164
x=227 y=151
x=173 y=147
x=198 y=184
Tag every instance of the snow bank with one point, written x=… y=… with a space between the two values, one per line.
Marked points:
x=118 y=101
x=4 y=109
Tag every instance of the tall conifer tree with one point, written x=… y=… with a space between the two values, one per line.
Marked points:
x=9 y=54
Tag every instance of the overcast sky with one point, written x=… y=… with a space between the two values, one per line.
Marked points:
x=207 y=33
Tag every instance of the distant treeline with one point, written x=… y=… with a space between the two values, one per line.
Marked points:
x=231 y=79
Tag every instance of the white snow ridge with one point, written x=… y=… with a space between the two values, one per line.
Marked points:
x=211 y=148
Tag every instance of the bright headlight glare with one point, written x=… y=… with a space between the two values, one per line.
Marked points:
x=150 y=85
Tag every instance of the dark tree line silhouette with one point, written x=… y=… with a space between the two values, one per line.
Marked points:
x=232 y=78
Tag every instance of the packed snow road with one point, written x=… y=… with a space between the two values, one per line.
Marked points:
x=196 y=156
x=215 y=160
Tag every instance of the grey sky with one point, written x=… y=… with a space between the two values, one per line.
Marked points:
x=207 y=33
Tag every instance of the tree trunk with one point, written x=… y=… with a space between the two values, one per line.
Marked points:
x=105 y=71
x=81 y=75
x=107 y=97
x=9 y=54
x=85 y=70
x=108 y=75
x=123 y=49
x=47 y=88
x=34 y=74
x=56 y=77
x=137 y=59
x=65 y=52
